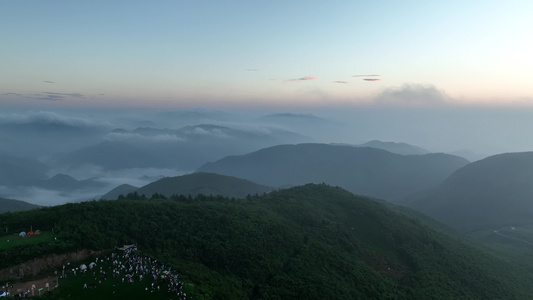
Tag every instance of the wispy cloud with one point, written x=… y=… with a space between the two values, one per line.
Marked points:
x=48 y=97
x=374 y=75
x=412 y=94
x=341 y=81
x=77 y=95
x=252 y=70
x=47 y=81
x=371 y=79
x=306 y=78
x=51 y=96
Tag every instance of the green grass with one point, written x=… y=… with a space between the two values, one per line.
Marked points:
x=12 y=240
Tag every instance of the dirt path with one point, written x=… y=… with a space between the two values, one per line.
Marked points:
x=34 y=267
x=513 y=238
x=39 y=283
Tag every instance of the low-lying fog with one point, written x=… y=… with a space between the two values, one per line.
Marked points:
x=100 y=150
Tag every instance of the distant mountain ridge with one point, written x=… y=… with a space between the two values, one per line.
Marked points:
x=184 y=149
x=194 y=184
x=490 y=193
x=362 y=170
x=122 y=189
x=398 y=148
x=11 y=205
x=307 y=124
x=63 y=182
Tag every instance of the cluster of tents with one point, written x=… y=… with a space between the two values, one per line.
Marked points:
x=83 y=267
x=29 y=233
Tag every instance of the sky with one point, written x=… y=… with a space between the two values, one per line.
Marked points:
x=259 y=54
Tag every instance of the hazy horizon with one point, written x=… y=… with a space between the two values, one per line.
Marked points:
x=234 y=54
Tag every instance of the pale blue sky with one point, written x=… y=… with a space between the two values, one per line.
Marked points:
x=180 y=54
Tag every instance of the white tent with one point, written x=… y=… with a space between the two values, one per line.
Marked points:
x=126 y=247
x=83 y=267
x=23 y=234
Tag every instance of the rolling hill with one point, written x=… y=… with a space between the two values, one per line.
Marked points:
x=308 y=242
x=203 y=183
x=361 y=170
x=487 y=194
x=10 y=205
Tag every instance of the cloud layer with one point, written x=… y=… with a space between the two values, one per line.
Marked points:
x=57 y=96
x=48 y=117
x=412 y=94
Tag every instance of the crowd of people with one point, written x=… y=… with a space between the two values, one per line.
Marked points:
x=127 y=267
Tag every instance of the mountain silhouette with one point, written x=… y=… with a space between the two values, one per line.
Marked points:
x=205 y=184
x=490 y=193
x=361 y=170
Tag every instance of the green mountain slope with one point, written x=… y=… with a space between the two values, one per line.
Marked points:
x=309 y=242
x=203 y=183
x=122 y=189
x=10 y=205
x=367 y=171
x=488 y=194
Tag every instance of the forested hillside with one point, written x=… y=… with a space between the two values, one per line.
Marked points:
x=309 y=242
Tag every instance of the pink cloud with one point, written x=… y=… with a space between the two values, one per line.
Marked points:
x=303 y=78
x=365 y=75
